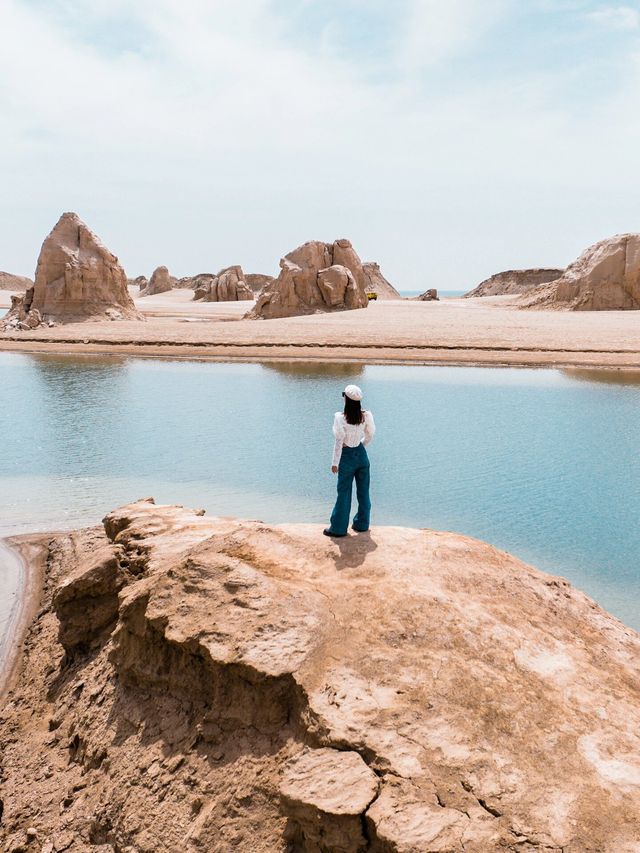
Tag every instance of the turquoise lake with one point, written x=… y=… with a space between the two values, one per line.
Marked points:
x=542 y=463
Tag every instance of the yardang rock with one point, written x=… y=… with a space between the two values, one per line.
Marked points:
x=313 y=278
x=77 y=278
x=227 y=286
x=606 y=277
x=514 y=282
x=160 y=282
x=8 y=281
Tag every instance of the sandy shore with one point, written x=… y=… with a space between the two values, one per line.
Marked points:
x=488 y=331
x=29 y=551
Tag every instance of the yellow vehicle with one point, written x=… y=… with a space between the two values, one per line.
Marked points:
x=372 y=295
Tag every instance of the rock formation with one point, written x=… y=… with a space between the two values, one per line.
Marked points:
x=218 y=685
x=226 y=286
x=375 y=282
x=430 y=295
x=257 y=281
x=605 y=277
x=8 y=281
x=77 y=278
x=160 y=282
x=313 y=278
x=513 y=282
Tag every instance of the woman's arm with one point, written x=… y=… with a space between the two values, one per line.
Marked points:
x=338 y=431
x=369 y=428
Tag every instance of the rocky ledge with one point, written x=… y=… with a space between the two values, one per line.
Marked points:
x=210 y=684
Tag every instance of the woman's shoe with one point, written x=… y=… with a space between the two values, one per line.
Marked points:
x=328 y=532
x=359 y=529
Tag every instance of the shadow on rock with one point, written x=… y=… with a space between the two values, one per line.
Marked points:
x=352 y=550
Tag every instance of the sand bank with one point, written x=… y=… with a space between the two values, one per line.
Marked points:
x=28 y=554
x=488 y=331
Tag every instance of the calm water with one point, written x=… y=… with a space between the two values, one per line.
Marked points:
x=542 y=463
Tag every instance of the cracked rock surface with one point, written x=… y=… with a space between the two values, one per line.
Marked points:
x=195 y=683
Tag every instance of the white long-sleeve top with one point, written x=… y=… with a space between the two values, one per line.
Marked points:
x=351 y=435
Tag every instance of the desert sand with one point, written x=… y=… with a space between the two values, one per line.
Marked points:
x=193 y=683
x=490 y=331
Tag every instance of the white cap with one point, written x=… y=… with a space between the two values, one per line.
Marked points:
x=353 y=392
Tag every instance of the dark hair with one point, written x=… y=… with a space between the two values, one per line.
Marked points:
x=352 y=410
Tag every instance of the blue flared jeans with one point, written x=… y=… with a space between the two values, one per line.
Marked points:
x=354 y=465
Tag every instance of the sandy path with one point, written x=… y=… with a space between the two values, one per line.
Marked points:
x=452 y=331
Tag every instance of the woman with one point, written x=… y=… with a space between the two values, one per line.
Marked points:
x=353 y=429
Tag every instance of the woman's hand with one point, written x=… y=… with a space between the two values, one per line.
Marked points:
x=334 y=469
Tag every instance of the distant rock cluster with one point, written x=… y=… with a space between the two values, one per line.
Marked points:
x=514 y=282
x=77 y=278
x=605 y=277
x=160 y=282
x=8 y=281
x=315 y=277
x=228 y=285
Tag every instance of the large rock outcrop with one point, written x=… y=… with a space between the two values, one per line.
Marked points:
x=160 y=282
x=217 y=685
x=606 y=277
x=313 y=278
x=376 y=283
x=226 y=286
x=77 y=278
x=514 y=282
x=8 y=281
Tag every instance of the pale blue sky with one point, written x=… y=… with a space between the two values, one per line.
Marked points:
x=449 y=139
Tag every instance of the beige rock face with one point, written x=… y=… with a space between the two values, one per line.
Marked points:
x=376 y=283
x=160 y=282
x=77 y=278
x=8 y=281
x=605 y=277
x=227 y=286
x=313 y=278
x=430 y=295
x=514 y=281
x=228 y=685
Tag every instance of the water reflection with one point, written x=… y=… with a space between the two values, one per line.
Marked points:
x=606 y=377
x=312 y=369
x=83 y=401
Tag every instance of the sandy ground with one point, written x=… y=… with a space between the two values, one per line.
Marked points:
x=489 y=330
x=30 y=551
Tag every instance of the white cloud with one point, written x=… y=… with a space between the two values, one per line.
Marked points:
x=210 y=134
x=438 y=29
x=616 y=17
